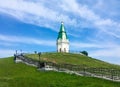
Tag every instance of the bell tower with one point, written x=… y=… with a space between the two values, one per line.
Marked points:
x=62 y=40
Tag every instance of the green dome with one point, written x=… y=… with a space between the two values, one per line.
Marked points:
x=62 y=33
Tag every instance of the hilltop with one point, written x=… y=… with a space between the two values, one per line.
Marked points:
x=74 y=59
x=21 y=75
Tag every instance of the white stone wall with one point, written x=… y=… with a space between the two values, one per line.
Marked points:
x=63 y=46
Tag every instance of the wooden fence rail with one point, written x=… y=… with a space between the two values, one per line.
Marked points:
x=111 y=74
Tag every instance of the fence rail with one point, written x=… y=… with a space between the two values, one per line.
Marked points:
x=106 y=73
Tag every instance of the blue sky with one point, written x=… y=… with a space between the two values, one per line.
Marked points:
x=33 y=25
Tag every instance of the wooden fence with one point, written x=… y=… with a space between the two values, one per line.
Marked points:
x=106 y=73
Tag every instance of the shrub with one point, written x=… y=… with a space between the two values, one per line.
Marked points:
x=84 y=52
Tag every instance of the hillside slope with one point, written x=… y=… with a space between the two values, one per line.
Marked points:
x=75 y=59
x=21 y=75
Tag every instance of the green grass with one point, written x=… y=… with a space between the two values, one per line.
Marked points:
x=76 y=59
x=21 y=75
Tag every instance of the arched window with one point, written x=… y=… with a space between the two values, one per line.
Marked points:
x=60 y=49
x=64 y=49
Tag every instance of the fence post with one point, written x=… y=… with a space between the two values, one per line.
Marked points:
x=112 y=74
x=39 y=54
x=101 y=70
x=84 y=71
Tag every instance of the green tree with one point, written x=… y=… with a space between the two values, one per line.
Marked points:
x=84 y=52
x=35 y=52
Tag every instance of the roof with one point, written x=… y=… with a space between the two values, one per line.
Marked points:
x=62 y=33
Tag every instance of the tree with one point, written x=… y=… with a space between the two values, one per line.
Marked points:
x=35 y=52
x=84 y=53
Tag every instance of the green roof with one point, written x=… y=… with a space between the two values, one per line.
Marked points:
x=62 y=32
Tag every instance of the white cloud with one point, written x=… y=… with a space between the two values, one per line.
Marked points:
x=105 y=25
x=6 y=53
x=26 y=40
x=108 y=54
x=44 y=13
x=85 y=45
x=95 y=44
x=48 y=13
x=34 y=12
x=7 y=44
x=79 y=9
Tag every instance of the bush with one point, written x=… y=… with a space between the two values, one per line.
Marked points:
x=35 y=52
x=84 y=53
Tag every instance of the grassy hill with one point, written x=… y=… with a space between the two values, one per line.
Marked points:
x=21 y=75
x=75 y=59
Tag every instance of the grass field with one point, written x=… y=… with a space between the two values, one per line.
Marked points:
x=21 y=75
x=76 y=59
